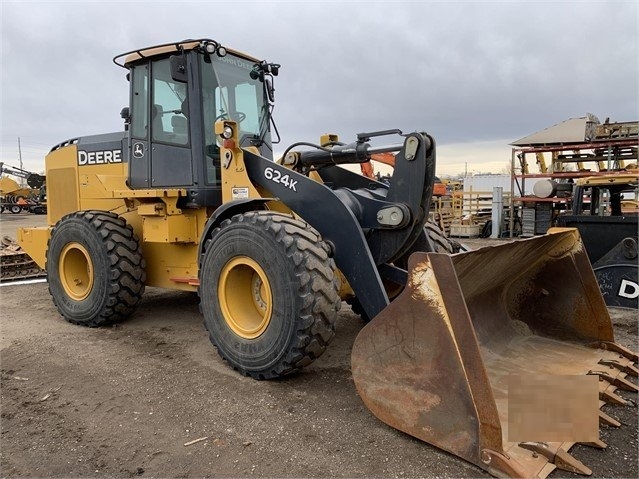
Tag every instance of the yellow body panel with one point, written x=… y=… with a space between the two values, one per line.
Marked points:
x=34 y=242
x=62 y=183
x=70 y=188
x=98 y=184
x=169 y=236
x=169 y=229
x=171 y=265
x=235 y=182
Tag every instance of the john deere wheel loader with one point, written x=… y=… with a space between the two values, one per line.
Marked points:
x=189 y=197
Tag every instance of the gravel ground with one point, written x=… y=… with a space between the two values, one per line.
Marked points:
x=125 y=401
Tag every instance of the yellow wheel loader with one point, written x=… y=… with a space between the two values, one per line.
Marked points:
x=16 y=198
x=189 y=197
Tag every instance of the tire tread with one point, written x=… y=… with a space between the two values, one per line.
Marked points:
x=127 y=266
x=318 y=289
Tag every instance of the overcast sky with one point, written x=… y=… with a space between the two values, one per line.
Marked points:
x=475 y=75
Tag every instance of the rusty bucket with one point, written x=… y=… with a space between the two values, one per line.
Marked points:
x=469 y=330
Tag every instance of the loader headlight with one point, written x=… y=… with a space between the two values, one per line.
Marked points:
x=211 y=47
x=227 y=132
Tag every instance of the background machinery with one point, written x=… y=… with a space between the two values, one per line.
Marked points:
x=15 y=264
x=16 y=198
x=606 y=213
x=439 y=187
x=189 y=197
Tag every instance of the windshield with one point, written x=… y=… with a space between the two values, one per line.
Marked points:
x=228 y=92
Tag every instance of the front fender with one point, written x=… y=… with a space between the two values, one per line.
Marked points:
x=227 y=210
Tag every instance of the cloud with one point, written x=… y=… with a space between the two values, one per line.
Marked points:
x=466 y=72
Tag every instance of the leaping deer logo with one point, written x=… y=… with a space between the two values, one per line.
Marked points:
x=138 y=150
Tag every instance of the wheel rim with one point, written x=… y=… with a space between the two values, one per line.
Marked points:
x=245 y=297
x=76 y=271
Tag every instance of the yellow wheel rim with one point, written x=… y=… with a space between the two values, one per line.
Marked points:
x=76 y=271
x=245 y=297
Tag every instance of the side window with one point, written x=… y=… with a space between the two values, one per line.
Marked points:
x=169 y=107
x=246 y=102
x=240 y=106
x=140 y=102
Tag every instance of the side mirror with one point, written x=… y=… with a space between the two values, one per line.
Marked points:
x=270 y=91
x=178 y=68
x=125 y=114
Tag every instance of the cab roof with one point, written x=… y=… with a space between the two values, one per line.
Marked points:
x=205 y=44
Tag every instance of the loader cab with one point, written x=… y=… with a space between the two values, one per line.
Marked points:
x=177 y=93
x=614 y=195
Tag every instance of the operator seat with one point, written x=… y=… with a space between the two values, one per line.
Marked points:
x=156 y=121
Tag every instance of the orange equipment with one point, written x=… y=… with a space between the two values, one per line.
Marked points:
x=439 y=189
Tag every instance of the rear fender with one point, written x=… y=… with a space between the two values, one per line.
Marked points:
x=34 y=242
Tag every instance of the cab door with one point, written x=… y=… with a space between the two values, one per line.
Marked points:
x=160 y=140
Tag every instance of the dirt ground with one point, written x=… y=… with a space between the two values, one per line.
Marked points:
x=124 y=401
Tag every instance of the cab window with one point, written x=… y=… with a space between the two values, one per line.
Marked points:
x=140 y=102
x=169 y=107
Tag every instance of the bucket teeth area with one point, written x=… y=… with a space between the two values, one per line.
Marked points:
x=598 y=444
x=608 y=420
x=495 y=370
x=618 y=348
x=629 y=369
x=618 y=381
x=557 y=456
x=607 y=394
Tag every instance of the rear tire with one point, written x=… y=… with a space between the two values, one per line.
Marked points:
x=441 y=243
x=15 y=209
x=94 y=268
x=438 y=240
x=268 y=293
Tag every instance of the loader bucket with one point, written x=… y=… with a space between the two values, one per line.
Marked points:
x=438 y=363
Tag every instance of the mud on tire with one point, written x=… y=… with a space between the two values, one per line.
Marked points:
x=95 y=268
x=281 y=269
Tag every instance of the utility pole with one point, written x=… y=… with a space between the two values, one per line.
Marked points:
x=20 y=159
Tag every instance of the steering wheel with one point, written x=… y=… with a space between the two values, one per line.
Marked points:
x=241 y=116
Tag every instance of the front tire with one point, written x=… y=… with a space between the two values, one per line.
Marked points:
x=268 y=293
x=94 y=268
